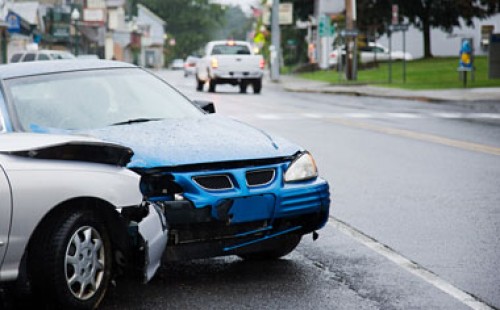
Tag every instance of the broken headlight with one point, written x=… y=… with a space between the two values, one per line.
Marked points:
x=302 y=168
x=159 y=185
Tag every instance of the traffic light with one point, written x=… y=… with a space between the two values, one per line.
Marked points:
x=333 y=27
x=321 y=27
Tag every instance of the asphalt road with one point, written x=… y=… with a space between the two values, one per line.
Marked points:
x=415 y=213
x=415 y=219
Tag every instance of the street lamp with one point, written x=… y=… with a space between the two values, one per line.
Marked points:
x=75 y=16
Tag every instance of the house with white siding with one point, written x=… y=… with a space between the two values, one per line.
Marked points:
x=152 y=29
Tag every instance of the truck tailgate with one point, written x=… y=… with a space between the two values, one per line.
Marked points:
x=241 y=63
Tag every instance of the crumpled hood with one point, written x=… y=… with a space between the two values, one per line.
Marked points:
x=208 y=139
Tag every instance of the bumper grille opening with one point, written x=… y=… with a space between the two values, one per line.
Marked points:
x=214 y=182
x=260 y=177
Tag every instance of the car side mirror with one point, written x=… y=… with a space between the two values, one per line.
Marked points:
x=206 y=106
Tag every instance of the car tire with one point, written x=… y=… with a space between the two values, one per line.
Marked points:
x=257 y=86
x=199 y=84
x=211 y=86
x=243 y=87
x=72 y=265
x=280 y=246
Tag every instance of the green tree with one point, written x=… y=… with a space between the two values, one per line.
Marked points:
x=192 y=23
x=426 y=14
x=301 y=11
x=236 y=25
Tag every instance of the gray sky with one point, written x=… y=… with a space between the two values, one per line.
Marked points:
x=245 y=4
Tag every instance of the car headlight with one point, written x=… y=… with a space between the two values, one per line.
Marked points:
x=302 y=168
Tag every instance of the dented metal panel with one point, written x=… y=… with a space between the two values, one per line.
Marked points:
x=65 y=148
x=209 y=139
x=154 y=231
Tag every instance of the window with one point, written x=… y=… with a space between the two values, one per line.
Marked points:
x=230 y=50
x=29 y=57
x=62 y=55
x=16 y=57
x=2 y=127
x=43 y=57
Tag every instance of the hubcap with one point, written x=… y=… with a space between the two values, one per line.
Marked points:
x=84 y=262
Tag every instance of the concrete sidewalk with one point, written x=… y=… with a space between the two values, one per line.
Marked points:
x=295 y=84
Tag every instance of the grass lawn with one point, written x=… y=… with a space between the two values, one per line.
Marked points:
x=436 y=73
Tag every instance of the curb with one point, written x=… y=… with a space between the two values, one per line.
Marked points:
x=366 y=94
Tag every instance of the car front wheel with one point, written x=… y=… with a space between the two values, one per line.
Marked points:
x=72 y=267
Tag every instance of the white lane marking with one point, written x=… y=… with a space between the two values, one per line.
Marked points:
x=483 y=115
x=412 y=267
x=312 y=115
x=403 y=115
x=293 y=116
x=449 y=115
x=269 y=116
x=358 y=115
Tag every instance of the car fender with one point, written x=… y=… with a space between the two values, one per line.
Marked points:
x=33 y=195
x=5 y=212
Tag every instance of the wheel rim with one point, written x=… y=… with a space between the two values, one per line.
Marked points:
x=84 y=263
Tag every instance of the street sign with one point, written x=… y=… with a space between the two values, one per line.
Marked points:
x=494 y=56
x=333 y=28
x=299 y=24
x=13 y=22
x=399 y=27
x=285 y=14
x=324 y=26
x=395 y=14
x=349 y=32
x=466 y=61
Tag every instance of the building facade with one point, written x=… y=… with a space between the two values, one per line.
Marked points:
x=152 y=29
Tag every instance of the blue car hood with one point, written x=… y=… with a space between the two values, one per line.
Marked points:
x=207 y=139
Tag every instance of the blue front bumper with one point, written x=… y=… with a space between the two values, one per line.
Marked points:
x=217 y=222
x=276 y=199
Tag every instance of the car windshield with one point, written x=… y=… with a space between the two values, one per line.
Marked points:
x=228 y=49
x=62 y=55
x=94 y=99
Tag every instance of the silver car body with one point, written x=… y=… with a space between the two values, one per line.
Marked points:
x=30 y=188
x=370 y=53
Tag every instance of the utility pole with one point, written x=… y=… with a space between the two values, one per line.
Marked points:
x=275 y=41
x=351 y=40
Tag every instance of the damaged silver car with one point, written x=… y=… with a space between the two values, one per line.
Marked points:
x=71 y=217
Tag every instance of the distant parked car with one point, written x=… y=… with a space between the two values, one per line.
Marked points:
x=177 y=64
x=71 y=216
x=87 y=56
x=370 y=53
x=41 y=55
x=190 y=65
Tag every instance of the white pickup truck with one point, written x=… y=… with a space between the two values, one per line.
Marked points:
x=230 y=62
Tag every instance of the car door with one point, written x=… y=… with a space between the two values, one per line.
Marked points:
x=5 y=212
